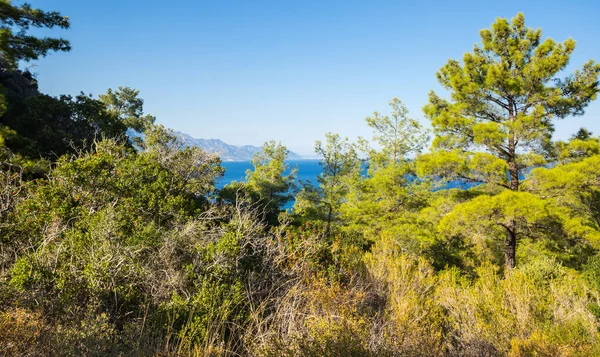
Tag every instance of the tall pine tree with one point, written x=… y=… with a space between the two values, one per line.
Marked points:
x=503 y=98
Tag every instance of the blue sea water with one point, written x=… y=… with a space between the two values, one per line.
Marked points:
x=308 y=170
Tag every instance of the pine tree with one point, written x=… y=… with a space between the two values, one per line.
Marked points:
x=503 y=98
x=16 y=44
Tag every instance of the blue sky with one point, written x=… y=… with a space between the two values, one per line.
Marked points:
x=249 y=71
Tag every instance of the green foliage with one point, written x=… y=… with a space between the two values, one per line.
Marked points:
x=107 y=249
x=398 y=135
x=485 y=219
x=503 y=99
x=16 y=45
x=52 y=127
x=581 y=145
x=340 y=168
x=267 y=177
x=574 y=193
x=266 y=186
x=125 y=104
x=382 y=205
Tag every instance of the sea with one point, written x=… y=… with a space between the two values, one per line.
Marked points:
x=307 y=170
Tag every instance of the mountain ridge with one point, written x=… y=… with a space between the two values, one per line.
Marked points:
x=226 y=152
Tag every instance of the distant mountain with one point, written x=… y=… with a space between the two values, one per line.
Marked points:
x=225 y=151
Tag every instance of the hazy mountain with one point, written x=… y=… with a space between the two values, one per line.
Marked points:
x=225 y=151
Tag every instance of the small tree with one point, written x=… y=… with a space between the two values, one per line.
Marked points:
x=339 y=164
x=398 y=135
x=379 y=202
x=125 y=104
x=267 y=187
x=503 y=98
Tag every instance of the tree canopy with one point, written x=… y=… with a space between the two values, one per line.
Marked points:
x=503 y=98
x=16 y=44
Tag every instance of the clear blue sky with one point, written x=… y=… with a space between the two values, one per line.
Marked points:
x=250 y=71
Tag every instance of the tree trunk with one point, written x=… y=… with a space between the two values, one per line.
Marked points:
x=510 y=245
x=513 y=171
x=329 y=217
x=510 y=248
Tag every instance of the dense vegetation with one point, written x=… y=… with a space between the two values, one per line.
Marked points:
x=111 y=245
